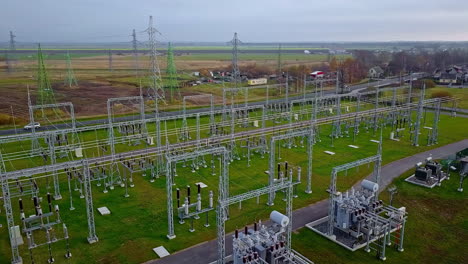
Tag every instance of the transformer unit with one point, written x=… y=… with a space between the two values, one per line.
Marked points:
x=423 y=174
x=428 y=173
x=264 y=244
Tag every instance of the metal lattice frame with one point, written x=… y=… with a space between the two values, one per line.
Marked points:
x=205 y=141
x=417 y=123
x=171 y=162
x=16 y=258
x=92 y=237
x=434 y=135
x=309 y=133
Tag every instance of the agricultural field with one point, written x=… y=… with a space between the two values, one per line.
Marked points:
x=96 y=83
x=435 y=231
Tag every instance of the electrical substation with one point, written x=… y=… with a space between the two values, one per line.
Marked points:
x=188 y=158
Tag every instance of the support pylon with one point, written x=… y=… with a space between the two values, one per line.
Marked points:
x=44 y=88
x=171 y=71
x=154 y=90
x=70 y=79
x=235 y=67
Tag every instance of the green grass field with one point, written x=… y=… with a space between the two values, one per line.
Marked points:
x=460 y=93
x=139 y=223
x=436 y=230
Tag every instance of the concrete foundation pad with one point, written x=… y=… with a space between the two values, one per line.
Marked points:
x=431 y=184
x=375 y=141
x=353 y=146
x=104 y=210
x=161 y=252
x=329 y=152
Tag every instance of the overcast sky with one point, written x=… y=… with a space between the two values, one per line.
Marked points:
x=216 y=20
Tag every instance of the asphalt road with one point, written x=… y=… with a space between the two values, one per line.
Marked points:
x=352 y=88
x=207 y=252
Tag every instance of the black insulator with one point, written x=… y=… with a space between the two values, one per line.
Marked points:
x=285 y=168
x=255 y=226
x=244 y=259
x=272 y=248
x=21 y=204
x=282 y=244
x=277 y=246
x=188 y=193
x=250 y=257
x=49 y=198
x=50 y=207
x=279 y=169
x=237 y=234
x=178 y=198
x=245 y=230
x=255 y=255
x=35 y=201
x=199 y=188
x=37 y=212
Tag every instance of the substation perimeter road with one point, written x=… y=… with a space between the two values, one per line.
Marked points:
x=353 y=89
x=207 y=252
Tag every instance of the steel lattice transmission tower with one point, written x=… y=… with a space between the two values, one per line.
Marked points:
x=8 y=54
x=154 y=90
x=70 y=79
x=45 y=92
x=171 y=71
x=12 y=41
x=135 y=53
x=235 y=67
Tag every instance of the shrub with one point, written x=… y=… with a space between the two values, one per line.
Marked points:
x=439 y=94
x=5 y=119
x=430 y=83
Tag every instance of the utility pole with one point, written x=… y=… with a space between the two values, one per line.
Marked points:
x=70 y=79
x=135 y=53
x=235 y=67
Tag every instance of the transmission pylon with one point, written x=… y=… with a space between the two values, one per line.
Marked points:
x=12 y=41
x=280 y=63
x=154 y=90
x=70 y=79
x=45 y=92
x=110 y=60
x=171 y=72
x=235 y=67
x=135 y=53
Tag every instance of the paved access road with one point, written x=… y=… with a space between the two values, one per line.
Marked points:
x=353 y=89
x=207 y=252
